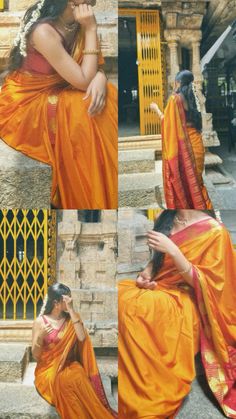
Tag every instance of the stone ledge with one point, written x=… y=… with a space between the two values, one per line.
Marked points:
x=24 y=182
x=13 y=360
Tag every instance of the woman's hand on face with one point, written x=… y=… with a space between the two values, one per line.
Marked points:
x=161 y=243
x=97 y=89
x=68 y=302
x=83 y=14
x=145 y=281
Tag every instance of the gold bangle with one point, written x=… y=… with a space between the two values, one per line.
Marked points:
x=78 y=321
x=91 y=51
x=186 y=270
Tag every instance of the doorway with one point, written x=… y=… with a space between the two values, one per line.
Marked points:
x=141 y=72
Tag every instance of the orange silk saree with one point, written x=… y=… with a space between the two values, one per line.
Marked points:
x=67 y=377
x=161 y=331
x=183 y=160
x=44 y=118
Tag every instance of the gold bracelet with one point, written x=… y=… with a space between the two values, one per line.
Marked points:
x=186 y=270
x=78 y=321
x=91 y=51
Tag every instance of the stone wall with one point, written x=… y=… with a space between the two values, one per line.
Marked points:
x=87 y=264
x=133 y=252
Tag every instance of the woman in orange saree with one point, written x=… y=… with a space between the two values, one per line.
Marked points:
x=182 y=147
x=182 y=303
x=45 y=107
x=66 y=375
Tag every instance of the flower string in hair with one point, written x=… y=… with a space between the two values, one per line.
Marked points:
x=44 y=305
x=194 y=89
x=24 y=29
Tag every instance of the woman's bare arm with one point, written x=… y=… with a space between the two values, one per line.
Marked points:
x=48 y=42
x=39 y=331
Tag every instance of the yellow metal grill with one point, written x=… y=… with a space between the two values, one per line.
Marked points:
x=150 y=67
x=27 y=242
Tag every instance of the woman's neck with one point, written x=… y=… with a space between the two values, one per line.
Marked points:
x=190 y=215
x=55 y=315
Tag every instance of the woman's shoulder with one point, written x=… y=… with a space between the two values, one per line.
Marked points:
x=43 y=30
x=38 y=321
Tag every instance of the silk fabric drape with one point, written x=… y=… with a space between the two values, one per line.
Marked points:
x=67 y=377
x=47 y=120
x=160 y=331
x=183 y=160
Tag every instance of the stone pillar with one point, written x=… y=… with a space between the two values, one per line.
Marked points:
x=210 y=137
x=69 y=263
x=173 y=44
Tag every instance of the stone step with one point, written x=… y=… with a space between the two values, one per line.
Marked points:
x=20 y=174
x=140 y=190
x=14 y=358
x=138 y=142
x=137 y=161
x=21 y=400
x=212 y=159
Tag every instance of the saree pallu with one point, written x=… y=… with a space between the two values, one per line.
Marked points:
x=161 y=331
x=67 y=377
x=44 y=118
x=183 y=160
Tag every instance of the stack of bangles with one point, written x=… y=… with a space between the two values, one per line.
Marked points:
x=187 y=270
x=91 y=51
x=78 y=321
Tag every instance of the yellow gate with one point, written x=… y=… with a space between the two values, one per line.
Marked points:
x=150 y=67
x=27 y=261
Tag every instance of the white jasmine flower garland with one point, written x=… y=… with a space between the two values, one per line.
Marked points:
x=194 y=89
x=24 y=29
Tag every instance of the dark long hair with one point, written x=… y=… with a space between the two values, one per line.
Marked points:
x=164 y=224
x=186 y=78
x=50 y=11
x=55 y=293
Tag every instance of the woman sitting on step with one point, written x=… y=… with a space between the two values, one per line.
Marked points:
x=182 y=303
x=57 y=107
x=66 y=375
x=182 y=147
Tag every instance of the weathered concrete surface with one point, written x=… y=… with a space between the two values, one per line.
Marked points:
x=13 y=360
x=139 y=190
x=23 y=401
x=200 y=403
x=136 y=161
x=24 y=182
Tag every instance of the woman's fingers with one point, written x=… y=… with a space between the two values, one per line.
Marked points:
x=96 y=104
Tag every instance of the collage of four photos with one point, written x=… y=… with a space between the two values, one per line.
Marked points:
x=117 y=209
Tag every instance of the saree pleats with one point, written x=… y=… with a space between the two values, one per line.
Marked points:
x=183 y=160
x=162 y=330
x=155 y=328
x=68 y=378
x=48 y=121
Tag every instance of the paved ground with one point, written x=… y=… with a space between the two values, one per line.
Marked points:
x=21 y=400
x=227 y=191
x=200 y=404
